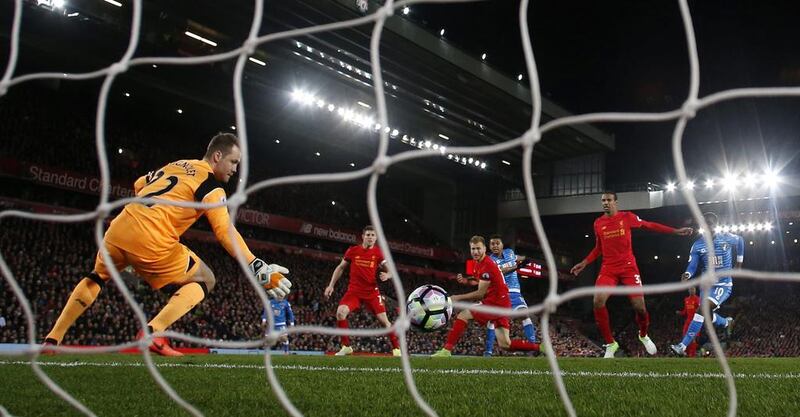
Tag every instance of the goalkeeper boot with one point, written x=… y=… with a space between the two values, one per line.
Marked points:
x=611 y=349
x=649 y=346
x=396 y=352
x=679 y=349
x=345 y=350
x=160 y=345
x=442 y=353
x=47 y=344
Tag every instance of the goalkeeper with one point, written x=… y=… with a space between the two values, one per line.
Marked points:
x=147 y=237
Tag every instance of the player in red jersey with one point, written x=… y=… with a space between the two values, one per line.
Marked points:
x=364 y=260
x=690 y=306
x=612 y=233
x=492 y=291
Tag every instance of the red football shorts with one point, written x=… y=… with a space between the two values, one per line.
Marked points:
x=628 y=277
x=484 y=318
x=372 y=300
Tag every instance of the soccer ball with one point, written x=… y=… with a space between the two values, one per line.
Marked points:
x=429 y=308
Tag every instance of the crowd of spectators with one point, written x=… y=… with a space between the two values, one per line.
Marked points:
x=48 y=259
x=46 y=135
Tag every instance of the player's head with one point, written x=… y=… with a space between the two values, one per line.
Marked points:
x=692 y=291
x=369 y=236
x=711 y=220
x=496 y=244
x=477 y=247
x=609 y=201
x=223 y=154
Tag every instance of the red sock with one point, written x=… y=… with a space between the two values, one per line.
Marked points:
x=643 y=320
x=603 y=323
x=393 y=339
x=342 y=324
x=517 y=344
x=455 y=333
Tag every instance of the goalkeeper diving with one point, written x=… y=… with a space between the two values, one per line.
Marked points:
x=147 y=238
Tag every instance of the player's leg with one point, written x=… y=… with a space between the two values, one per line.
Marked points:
x=643 y=320
x=601 y=314
x=374 y=303
x=193 y=285
x=504 y=338
x=490 y=337
x=717 y=296
x=528 y=326
x=283 y=339
x=459 y=327
x=349 y=302
x=84 y=294
x=187 y=279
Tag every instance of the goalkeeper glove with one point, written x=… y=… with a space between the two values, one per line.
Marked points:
x=271 y=278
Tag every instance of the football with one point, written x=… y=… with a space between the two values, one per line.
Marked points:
x=429 y=308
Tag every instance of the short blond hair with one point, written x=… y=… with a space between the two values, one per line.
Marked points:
x=477 y=239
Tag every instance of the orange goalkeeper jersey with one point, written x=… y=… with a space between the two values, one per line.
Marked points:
x=151 y=230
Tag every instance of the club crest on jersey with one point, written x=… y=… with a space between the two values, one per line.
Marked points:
x=485 y=275
x=726 y=246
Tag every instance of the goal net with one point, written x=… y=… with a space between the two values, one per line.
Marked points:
x=376 y=16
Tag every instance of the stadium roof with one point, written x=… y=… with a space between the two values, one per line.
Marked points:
x=437 y=92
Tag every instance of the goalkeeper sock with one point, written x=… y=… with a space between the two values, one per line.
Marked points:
x=490 y=336
x=81 y=298
x=179 y=304
x=603 y=324
x=455 y=333
x=342 y=324
x=523 y=345
x=530 y=330
x=643 y=320
x=694 y=328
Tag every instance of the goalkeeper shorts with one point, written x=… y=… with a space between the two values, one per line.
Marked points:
x=174 y=267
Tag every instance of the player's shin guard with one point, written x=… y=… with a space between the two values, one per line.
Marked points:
x=694 y=328
x=342 y=324
x=523 y=345
x=490 y=337
x=188 y=296
x=455 y=333
x=643 y=320
x=81 y=298
x=530 y=330
x=603 y=324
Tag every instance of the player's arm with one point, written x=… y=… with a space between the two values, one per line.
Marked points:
x=337 y=273
x=270 y=276
x=591 y=257
x=384 y=273
x=477 y=295
x=694 y=261
x=739 y=251
x=468 y=280
x=511 y=266
x=636 y=222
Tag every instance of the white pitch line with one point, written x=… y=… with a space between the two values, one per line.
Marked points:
x=463 y=372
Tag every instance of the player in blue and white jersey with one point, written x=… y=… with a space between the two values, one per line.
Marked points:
x=723 y=260
x=508 y=262
x=283 y=315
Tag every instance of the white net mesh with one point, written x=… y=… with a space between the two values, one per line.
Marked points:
x=382 y=161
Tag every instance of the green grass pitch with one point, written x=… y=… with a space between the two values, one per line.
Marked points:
x=118 y=385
